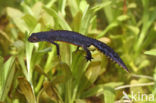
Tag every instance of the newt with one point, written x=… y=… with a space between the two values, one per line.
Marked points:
x=79 y=40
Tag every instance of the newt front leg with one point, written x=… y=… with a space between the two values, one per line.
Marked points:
x=57 y=47
x=88 y=54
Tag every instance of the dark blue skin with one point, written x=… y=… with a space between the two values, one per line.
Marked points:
x=76 y=39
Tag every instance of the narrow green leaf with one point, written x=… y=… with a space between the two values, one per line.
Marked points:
x=47 y=20
x=40 y=95
x=16 y=16
x=1 y=74
x=50 y=63
x=37 y=9
x=79 y=63
x=151 y=52
x=83 y=5
x=29 y=49
x=80 y=101
x=62 y=5
x=147 y=19
x=74 y=7
x=26 y=8
x=78 y=68
x=46 y=50
x=85 y=21
x=7 y=66
x=77 y=21
x=109 y=27
x=22 y=63
x=101 y=5
x=98 y=89
x=113 y=84
x=58 y=17
x=122 y=18
x=109 y=95
x=8 y=71
x=30 y=21
x=101 y=89
x=50 y=3
x=109 y=12
x=135 y=29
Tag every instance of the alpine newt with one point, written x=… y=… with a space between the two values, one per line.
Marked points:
x=79 y=40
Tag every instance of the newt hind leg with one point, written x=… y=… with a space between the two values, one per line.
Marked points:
x=77 y=49
x=88 y=54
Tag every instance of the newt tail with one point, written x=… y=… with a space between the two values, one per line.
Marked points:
x=79 y=40
x=109 y=52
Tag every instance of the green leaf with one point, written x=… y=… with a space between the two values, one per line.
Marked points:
x=101 y=89
x=74 y=7
x=134 y=29
x=79 y=64
x=122 y=18
x=85 y=21
x=29 y=49
x=46 y=50
x=114 y=84
x=63 y=73
x=19 y=45
x=22 y=63
x=30 y=21
x=51 y=91
x=97 y=90
x=41 y=71
x=50 y=62
x=26 y=90
x=110 y=15
x=99 y=6
x=37 y=9
x=50 y=4
x=26 y=8
x=109 y=27
x=1 y=74
x=91 y=74
x=109 y=95
x=62 y=5
x=78 y=68
x=151 y=52
x=16 y=16
x=8 y=75
x=83 y=5
x=77 y=21
x=148 y=18
x=58 y=17
x=80 y=101
x=48 y=21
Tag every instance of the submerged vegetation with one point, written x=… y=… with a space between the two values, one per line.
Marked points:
x=33 y=73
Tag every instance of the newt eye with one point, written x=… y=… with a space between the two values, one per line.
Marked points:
x=34 y=38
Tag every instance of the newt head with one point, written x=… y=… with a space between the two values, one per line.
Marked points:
x=33 y=38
